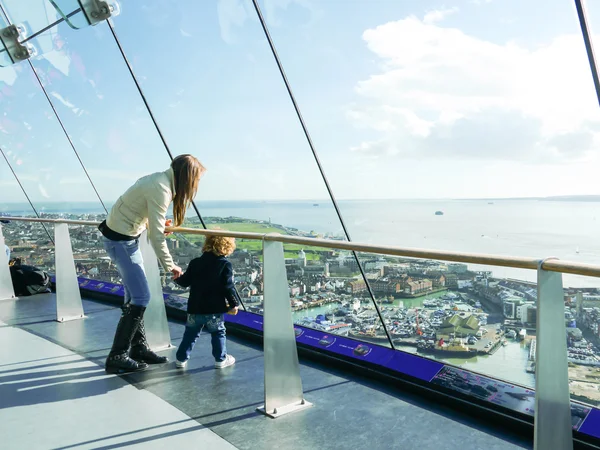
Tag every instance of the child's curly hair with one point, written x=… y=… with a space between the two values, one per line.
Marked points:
x=219 y=245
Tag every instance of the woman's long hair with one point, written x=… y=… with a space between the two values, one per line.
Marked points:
x=187 y=170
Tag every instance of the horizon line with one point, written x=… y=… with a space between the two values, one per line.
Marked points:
x=563 y=197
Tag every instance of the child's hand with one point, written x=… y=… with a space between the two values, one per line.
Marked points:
x=177 y=272
x=233 y=311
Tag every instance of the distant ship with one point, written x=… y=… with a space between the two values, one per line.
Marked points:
x=315 y=204
x=439 y=213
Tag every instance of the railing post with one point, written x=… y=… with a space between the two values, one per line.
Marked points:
x=6 y=287
x=155 y=317
x=553 y=427
x=68 y=296
x=283 y=386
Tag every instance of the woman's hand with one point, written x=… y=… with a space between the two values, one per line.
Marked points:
x=233 y=311
x=168 y=223
x=176 y=271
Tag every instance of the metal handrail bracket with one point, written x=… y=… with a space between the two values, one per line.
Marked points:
x=553 y=428
x=6 y=287
x=283 y=386
x=68 y=296
x=155 y=317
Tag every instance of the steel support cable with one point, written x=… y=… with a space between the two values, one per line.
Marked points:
x=316 y=156
x=141 y=92
x=585 y=31
x=25 y=193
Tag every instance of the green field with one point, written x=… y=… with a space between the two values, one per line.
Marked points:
x=234 y=226
x=247 y=227
x=254 y=246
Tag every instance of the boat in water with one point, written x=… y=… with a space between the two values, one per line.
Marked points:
x=431 y=303
x=439 y=213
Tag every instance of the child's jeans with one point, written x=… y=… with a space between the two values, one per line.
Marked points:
x=195 y=324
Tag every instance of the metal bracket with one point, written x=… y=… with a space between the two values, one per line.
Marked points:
x=9 y=37
x=6 y=287
x=553 y=428
x=155 y=317
x=68 y=296
x=96 y=11
x=283 y=385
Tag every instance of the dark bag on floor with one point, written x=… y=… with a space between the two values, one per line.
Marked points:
x=29 y=280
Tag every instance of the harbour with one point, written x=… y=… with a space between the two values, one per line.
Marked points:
x=414 y=321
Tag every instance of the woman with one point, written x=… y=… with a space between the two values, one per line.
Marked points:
x=144 y=205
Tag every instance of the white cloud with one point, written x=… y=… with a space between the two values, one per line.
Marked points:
x=438 y=15
x=443 y=93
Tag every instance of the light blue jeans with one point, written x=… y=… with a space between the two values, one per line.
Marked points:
x=195 y=324
x=126 y=255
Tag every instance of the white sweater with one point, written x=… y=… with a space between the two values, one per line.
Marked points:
x=144 y=205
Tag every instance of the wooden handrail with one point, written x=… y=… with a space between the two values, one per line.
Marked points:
x=520 y=262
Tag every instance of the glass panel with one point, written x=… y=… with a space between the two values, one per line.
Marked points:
x=30 y=243
x=465 y=164
x=111 y=130
x=36 y=146
x=582 y=315
x=226 y=86
x=228 y=106
x=118 y=144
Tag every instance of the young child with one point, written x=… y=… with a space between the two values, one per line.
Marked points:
x=212 y=293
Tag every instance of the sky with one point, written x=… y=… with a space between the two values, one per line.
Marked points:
x=403 y=99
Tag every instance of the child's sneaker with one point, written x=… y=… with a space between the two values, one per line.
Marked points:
x=229 y=361
x=180 y=364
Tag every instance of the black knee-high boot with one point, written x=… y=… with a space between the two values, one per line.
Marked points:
x=118 y=360
x=140 y=350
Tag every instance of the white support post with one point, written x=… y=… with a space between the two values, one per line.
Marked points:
x=6 y=287
x=155 y=317
x=283 y=386
x=68 y=297
x=553 y=427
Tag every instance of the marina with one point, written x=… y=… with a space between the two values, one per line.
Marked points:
x=417 y=326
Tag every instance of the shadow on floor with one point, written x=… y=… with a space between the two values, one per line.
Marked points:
x=31 y=388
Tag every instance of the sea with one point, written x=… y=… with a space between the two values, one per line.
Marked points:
x=569 y=230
